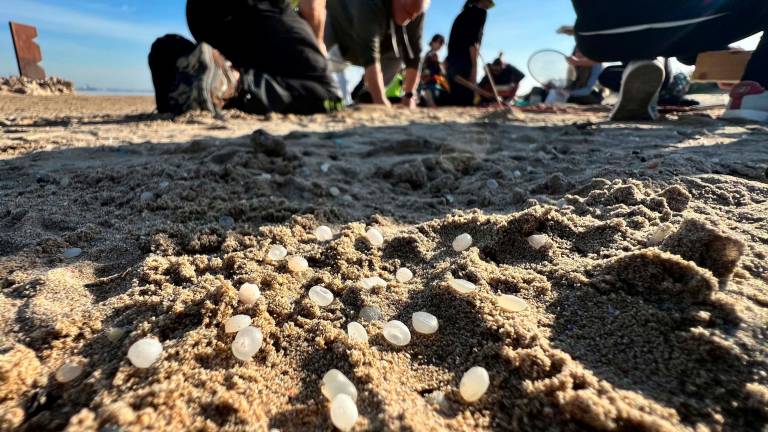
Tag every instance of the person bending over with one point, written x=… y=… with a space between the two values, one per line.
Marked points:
x=640 y=31
x=506 y=78
x=255 y=55
x=379 y=35
x=464 y=49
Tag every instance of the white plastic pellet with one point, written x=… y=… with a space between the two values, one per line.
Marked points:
x=357 y=332
x=512 y=303
x=424 y=323
x=462 y=286
x=370 y=313
x=145 y=352
x=462 y=242
x=68 y=371
x=72 y=252
x=343 y=412
x=397 y=333
x=237 y=323
x=297 y=264
x=277 y=253
x=372 y=282
x=538 y=241
x=404 y=275
x=474 y=384
x=249 y=293
x=374 y=236
x=320 y=296
x=660 y=234
x=114 y=334
x=247 y=343
x=336 y=383
x=323 y=233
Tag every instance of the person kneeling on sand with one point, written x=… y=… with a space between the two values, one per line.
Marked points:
x=506 y=79
x=259 y=56
x=639 y=31
x=379 y=35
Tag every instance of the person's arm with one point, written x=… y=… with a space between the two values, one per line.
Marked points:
x=410 y=86
x=473 y=51
x=314 y=13
x=374 y=82
x=478 y=26
x=414 y=31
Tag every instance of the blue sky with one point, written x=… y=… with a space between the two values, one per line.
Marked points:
x=104 y=43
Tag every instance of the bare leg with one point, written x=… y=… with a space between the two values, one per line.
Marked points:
x=314 y=12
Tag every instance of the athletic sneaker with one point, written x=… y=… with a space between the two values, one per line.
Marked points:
x=749 y=101
x=205 y=80
x=640 y=85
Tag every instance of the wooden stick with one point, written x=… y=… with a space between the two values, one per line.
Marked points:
x=499 y=100
x=464 y=82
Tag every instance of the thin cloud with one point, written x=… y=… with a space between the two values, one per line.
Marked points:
x=67 y=20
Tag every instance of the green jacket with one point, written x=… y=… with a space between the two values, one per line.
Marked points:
x=363 y=31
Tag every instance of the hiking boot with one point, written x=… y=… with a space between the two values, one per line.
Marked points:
x=205 y=80
x=749 y=101
x=640 y=85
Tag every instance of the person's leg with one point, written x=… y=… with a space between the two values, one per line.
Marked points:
x=244 y=31
x=163 y=56
x=757 y=69
x=748 y=18
x=610 y=78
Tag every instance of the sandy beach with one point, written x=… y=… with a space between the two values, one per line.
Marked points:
x=647 y=309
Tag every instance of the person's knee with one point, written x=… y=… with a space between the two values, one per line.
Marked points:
x=171 y=45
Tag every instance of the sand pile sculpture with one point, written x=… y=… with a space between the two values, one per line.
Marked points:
x=50 y=86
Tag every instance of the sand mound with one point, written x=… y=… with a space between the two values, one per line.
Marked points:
x=50 y=86
x=618 y=335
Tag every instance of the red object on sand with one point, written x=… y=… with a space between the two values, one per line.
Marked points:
x=28 y=53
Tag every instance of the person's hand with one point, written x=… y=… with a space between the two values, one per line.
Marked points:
x=581 y=61
x=409 y=102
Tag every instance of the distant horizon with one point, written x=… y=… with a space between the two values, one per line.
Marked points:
x=104 y=44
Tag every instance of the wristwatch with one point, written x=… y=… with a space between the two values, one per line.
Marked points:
x=408 y=95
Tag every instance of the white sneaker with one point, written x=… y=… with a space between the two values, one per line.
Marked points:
x=640 y=86
x=749 y=101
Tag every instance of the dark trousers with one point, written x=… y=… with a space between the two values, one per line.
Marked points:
x=281 y=65
x=163 y=56
x=459 y=94
x=685 y=42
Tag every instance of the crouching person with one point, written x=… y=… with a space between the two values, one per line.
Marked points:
x=258 y=56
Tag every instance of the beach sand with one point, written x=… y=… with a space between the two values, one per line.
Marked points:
x=172 y=216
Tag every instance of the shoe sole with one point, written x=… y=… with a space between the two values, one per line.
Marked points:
x=748 y=115
x=638 y=90
x=194 y=90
